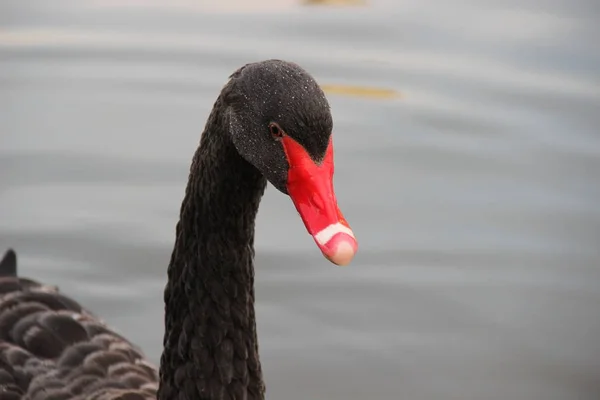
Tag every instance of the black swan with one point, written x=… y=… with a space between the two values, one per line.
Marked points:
x=271 y=122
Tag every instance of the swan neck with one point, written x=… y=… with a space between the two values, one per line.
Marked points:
x=210 y=343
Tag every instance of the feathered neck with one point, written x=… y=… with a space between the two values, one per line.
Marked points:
x=210 y=342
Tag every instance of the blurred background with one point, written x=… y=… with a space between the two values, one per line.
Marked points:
x=467 y=161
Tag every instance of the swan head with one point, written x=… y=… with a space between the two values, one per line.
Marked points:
x=280 y=122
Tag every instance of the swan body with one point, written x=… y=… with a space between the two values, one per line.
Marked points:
x=52 y=348
x=270 y=123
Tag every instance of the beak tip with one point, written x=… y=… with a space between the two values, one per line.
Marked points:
x=342 y=251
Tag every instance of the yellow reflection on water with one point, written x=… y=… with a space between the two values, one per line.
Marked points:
x=335 y=2
x=360 y=91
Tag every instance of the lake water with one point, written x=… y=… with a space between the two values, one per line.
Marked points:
x=474 y=193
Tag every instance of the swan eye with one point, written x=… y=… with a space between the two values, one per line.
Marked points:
x=275 y=130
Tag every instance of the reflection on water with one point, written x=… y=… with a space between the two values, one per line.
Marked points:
x=473 y=193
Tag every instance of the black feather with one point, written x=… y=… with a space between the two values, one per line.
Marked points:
x=52 y=348
x=8 y=265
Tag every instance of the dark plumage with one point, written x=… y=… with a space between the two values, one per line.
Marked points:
x=52 y=348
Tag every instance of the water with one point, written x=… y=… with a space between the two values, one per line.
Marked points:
x=474 y=195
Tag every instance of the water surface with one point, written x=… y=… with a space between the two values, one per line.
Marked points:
x=474 y=194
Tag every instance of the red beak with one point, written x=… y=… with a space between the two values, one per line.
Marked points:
x=310 y=185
